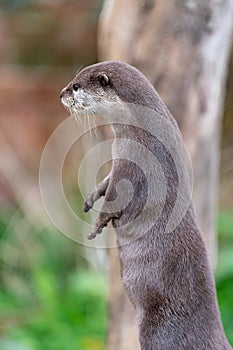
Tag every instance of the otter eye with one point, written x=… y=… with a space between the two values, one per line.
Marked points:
x=103 y=79
x=76 y=86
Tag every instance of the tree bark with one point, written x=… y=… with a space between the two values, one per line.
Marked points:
x=182 y=46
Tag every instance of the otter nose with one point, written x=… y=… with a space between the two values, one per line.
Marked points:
x=62 y=93
x=65 y=91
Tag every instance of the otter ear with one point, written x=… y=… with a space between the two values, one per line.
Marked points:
x=103 y=79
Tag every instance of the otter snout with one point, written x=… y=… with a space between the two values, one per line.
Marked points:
x=77 y=100
x=65 y=92
x=66 y=96
x=61 y=94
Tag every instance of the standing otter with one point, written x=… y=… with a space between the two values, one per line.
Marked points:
x=164 y=264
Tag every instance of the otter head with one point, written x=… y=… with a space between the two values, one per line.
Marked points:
x=96 y=88
x=91 y=91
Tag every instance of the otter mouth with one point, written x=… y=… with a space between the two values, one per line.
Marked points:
x=68 y=102
x=79 y=102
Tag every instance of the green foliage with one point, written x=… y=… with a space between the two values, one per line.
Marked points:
x=73 y=317
x=224 y=273
x=49 y=299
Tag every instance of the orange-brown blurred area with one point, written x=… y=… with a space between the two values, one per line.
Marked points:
x=42 y=44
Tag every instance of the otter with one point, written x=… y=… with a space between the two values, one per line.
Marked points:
x=164 y=266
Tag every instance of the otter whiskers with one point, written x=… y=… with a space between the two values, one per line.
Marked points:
x=84 y=118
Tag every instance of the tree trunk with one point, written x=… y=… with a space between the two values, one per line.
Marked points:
x=123 y=333
x=182 y=46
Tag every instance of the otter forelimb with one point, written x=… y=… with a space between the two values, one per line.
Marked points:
x=106 y=213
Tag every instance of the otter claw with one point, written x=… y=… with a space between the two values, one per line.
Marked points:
x=87 y=207
x=94 y=233
x=89 y=202
x=91 y=235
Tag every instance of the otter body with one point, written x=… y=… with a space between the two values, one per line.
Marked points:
x=165 y=272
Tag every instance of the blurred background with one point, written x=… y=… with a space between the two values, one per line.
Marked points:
x=53 y=291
